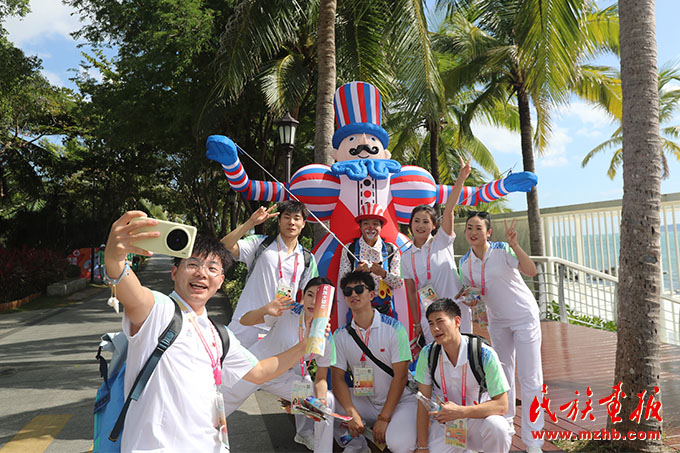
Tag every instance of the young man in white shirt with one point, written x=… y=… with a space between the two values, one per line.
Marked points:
x=377 y=399
x=177 y=411
x=464 y=418
x=289 y=321
x=279 y=267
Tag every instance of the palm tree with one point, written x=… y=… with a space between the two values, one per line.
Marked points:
x=323 y=134
x=637 y=349
x=669 y=103
x=534 y=51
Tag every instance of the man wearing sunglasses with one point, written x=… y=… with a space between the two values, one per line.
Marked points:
x=177 y=409
x=377 y=398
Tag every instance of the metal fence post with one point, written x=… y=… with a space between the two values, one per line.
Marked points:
x=560 y=293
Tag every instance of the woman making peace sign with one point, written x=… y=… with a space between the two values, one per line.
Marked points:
x=494 y=268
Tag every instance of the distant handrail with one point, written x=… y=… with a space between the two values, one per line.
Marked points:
x=578 y=267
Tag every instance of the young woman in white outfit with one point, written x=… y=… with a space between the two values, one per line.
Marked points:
x=494 y=268
x=429 y=263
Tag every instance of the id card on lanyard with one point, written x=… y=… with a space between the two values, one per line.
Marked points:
x=427 y=293
x=215 y=356
x=283 y=288
x=363 y=375
x=456 y=430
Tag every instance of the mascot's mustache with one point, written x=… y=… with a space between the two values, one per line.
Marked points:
x=360 y=148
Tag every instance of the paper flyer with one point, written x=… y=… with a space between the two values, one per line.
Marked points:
x=316 y=341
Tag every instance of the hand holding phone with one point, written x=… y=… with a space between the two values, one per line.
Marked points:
x=175 y=239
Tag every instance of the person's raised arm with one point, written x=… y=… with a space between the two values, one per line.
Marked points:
x=230 y=241
x=526 y=264
x=273 y=308
x=137 y=299
x=447 y=218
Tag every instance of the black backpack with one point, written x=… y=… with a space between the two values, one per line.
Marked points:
x=474 y=354
x=269 y=240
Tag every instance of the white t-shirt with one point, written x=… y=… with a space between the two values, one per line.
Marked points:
x=508 y=299
x=175 y=411
x=387 y=340
x=260 y=288
x=493 y=371
x=444 y=275
x=285 y=334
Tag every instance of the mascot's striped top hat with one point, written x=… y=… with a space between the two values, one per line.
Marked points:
x=358 y=110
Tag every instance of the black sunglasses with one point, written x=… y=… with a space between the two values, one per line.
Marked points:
x=347 y=290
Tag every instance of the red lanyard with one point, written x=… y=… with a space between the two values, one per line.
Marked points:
x=292 y=280
x=368 y=332
x=300 y=335
x=413 y=264
x=214 y=359
x=463 y=389
x=472 y=280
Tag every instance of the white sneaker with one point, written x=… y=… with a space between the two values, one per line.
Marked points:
x=534 y=449
x=304 y=440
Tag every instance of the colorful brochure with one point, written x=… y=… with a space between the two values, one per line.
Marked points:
x=316 y=341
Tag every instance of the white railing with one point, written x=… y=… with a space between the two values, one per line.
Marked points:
x=569 y=292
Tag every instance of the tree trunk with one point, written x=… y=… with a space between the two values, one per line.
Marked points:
x=637 y=349
x=323 y=135
x=533 y=213
x=434 y=151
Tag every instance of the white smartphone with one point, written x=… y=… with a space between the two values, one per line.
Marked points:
x=176 y=239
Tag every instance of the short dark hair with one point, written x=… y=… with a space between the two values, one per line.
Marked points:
x=316 y=281
x=485 y=216
x=207 y=244
x=293 y=207
x=360 y=277
x=448 y=306
x=424 y=208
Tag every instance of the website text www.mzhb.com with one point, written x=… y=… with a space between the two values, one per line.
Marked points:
x=603 y=434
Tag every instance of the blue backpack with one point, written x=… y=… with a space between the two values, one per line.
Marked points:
x=111 y=405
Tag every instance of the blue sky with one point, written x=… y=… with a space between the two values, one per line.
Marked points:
x=576 y=128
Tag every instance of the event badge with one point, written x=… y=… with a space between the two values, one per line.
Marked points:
x=284 y=290
x=479 y=314
x=427 y=295
x=363 y=381
x=300 y=391
x=221 y=419
x=456 y=433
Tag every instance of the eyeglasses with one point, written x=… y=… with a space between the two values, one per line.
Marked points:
x=211 y=268
x=359 y=289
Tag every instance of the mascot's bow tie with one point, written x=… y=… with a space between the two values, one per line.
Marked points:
x=359 y=169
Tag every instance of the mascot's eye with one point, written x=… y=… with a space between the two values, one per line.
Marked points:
x=351 y=138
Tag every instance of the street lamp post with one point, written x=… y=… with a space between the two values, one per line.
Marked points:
x=287 y=126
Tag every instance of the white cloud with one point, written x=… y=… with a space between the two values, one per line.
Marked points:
x=589 y=115
x=53 y=78
x=590 y=133
x=556 y=153
x=47 y=19
x=496 y=139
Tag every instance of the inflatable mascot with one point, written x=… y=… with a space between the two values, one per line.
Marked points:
x=363 y=173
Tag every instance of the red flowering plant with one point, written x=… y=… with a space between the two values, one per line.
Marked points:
x=26 y=271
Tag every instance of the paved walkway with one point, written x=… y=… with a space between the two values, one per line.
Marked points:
x=49 y=377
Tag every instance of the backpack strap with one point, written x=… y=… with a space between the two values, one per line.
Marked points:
x=432 y=357
x=164 y=341
x=389 y=248
x=224 y=335
x=350 y=257
x=353 y=333
x=475 y=359
x=308 y=261
x=269 y=240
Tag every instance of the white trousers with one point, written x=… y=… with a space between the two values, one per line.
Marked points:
x=490 y=435
x=525 y=341
x=282 y=387
x=400 y=435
